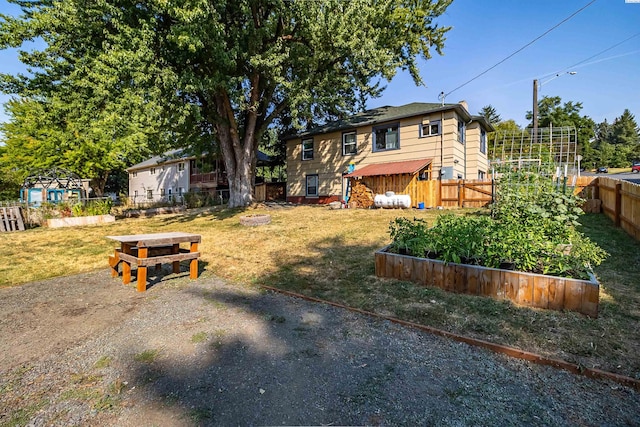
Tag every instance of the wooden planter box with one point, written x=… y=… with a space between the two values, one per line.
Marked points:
x=526 y=289
x=75 y=221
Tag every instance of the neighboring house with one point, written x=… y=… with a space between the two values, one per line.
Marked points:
x=169 y=176
x=419 y=141
x=54 y=186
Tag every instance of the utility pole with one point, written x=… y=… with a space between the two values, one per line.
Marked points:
x=535 y=111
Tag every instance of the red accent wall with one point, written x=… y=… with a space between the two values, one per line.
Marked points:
x=322 y=200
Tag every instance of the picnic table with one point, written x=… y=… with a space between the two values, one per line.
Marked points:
x=153 y=249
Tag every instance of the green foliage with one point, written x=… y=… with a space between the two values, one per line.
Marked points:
x=137 y=75
x=535 y=230
x=54 y=133
x=410 y=236
x=490 y=113
x=197 y=200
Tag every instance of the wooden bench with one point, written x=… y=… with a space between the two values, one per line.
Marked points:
x=153 y=249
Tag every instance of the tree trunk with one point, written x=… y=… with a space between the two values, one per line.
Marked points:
x=99 y=182
x=240 y=185
x=238 y=153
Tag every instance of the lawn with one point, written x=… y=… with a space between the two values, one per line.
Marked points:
x=328 y=254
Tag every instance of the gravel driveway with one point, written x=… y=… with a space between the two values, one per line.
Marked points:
x=86 y=350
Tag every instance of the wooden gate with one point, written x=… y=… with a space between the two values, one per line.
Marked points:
x=470 y=193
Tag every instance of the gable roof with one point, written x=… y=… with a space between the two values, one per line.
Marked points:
x=392 y=168
x=181 y=154
x=389 y=113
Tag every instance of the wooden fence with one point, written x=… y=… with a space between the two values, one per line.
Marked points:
x=620 y=201
x=432 y=193
x=470 y=193
x=269 y=191
x=11 y=219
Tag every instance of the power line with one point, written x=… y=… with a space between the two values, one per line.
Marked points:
x=523 y=47
x=593 y=56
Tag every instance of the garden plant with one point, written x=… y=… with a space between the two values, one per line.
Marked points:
x=530 y=227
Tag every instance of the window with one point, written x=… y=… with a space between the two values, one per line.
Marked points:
x=430 y=128
x=149 y=194
x=152 y=171
x=181 y=166
x=134 y=174
x=483 y=141
x=349 y=145
x=135 y=193
x=386 y=138
x=461 y=132
x=162 y=192
x=481 y=174
x=312 y=186
x=307 y=149
x=180 y=191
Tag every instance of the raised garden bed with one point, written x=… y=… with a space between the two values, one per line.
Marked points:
x=76 y=221
x=525 y=289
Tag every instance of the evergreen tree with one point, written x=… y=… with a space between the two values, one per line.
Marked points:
x=490 y=113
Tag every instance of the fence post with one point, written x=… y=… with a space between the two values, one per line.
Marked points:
x=618 y=208
x=460 y=193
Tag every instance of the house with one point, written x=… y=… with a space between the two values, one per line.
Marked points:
x=54 y=186
x=169 y=176
x=396 y=145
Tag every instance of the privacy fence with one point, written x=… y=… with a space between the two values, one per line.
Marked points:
x=619 y=200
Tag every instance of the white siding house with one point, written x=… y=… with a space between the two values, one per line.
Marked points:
x=159 y=179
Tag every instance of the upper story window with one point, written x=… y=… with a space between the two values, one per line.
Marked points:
x=181 y=166
x=152 y=171
x=307 y=149
x=461 y=132
x=429 y=129
x=386 y=138
x=134 y=174
x=483 y=141
x=349 y=145
x=149 y=194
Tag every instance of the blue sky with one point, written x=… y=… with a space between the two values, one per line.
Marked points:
x=487 y=31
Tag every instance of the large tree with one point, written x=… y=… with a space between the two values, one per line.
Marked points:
x=223 y=72
x=43 y=134
x=625 y=135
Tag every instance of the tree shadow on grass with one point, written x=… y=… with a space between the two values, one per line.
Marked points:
x=215 y=212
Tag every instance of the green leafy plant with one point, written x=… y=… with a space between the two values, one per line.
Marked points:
x=531 y=225
x=410 y=236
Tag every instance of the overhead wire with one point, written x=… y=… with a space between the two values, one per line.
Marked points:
x=594 y=56
x=521 y=49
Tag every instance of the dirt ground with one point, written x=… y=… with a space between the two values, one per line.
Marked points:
x=86 y=350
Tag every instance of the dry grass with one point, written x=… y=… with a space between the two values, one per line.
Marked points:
x=329 y=254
